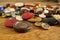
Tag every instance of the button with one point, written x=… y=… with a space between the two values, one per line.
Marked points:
x=35 y=19
x=19 y=4
x=22 y=26
x=18 y=17
x=12 y=6
x=45 y=26
x=9 y=23
x=38 y=24
x=28 y=15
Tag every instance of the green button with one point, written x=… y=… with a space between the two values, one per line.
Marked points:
x=16 y=13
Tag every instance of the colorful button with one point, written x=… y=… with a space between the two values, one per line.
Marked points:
x=9 y=23
x=27 y=15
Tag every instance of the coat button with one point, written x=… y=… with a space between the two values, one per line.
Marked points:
x=22 y=26
x=28 y=15
x=9 y=23
x=50 y=21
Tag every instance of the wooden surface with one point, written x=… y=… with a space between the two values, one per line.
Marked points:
x=34 y=34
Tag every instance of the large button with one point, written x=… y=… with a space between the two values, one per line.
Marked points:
x=22 y=26
x=27 y=15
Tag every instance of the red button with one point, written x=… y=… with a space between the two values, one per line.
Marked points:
x=9 y=23
x=12 y=6
x=27 y=15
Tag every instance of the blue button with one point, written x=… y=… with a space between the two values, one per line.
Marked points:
x=1 y=8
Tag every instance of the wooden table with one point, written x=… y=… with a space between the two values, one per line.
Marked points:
x=35 y=33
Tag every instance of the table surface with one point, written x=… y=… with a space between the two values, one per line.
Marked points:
x=35 y=33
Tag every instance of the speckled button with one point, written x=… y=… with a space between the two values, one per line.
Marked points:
x=22 y=26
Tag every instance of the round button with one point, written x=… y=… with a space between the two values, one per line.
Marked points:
x=45 y=26
x=36 y=19
x=27 y=15
x=38 y=24
x=22 y=26
x=9 y=23
x=12 y=6
x=20 y=4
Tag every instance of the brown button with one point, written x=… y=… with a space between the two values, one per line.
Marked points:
x=22 y=26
